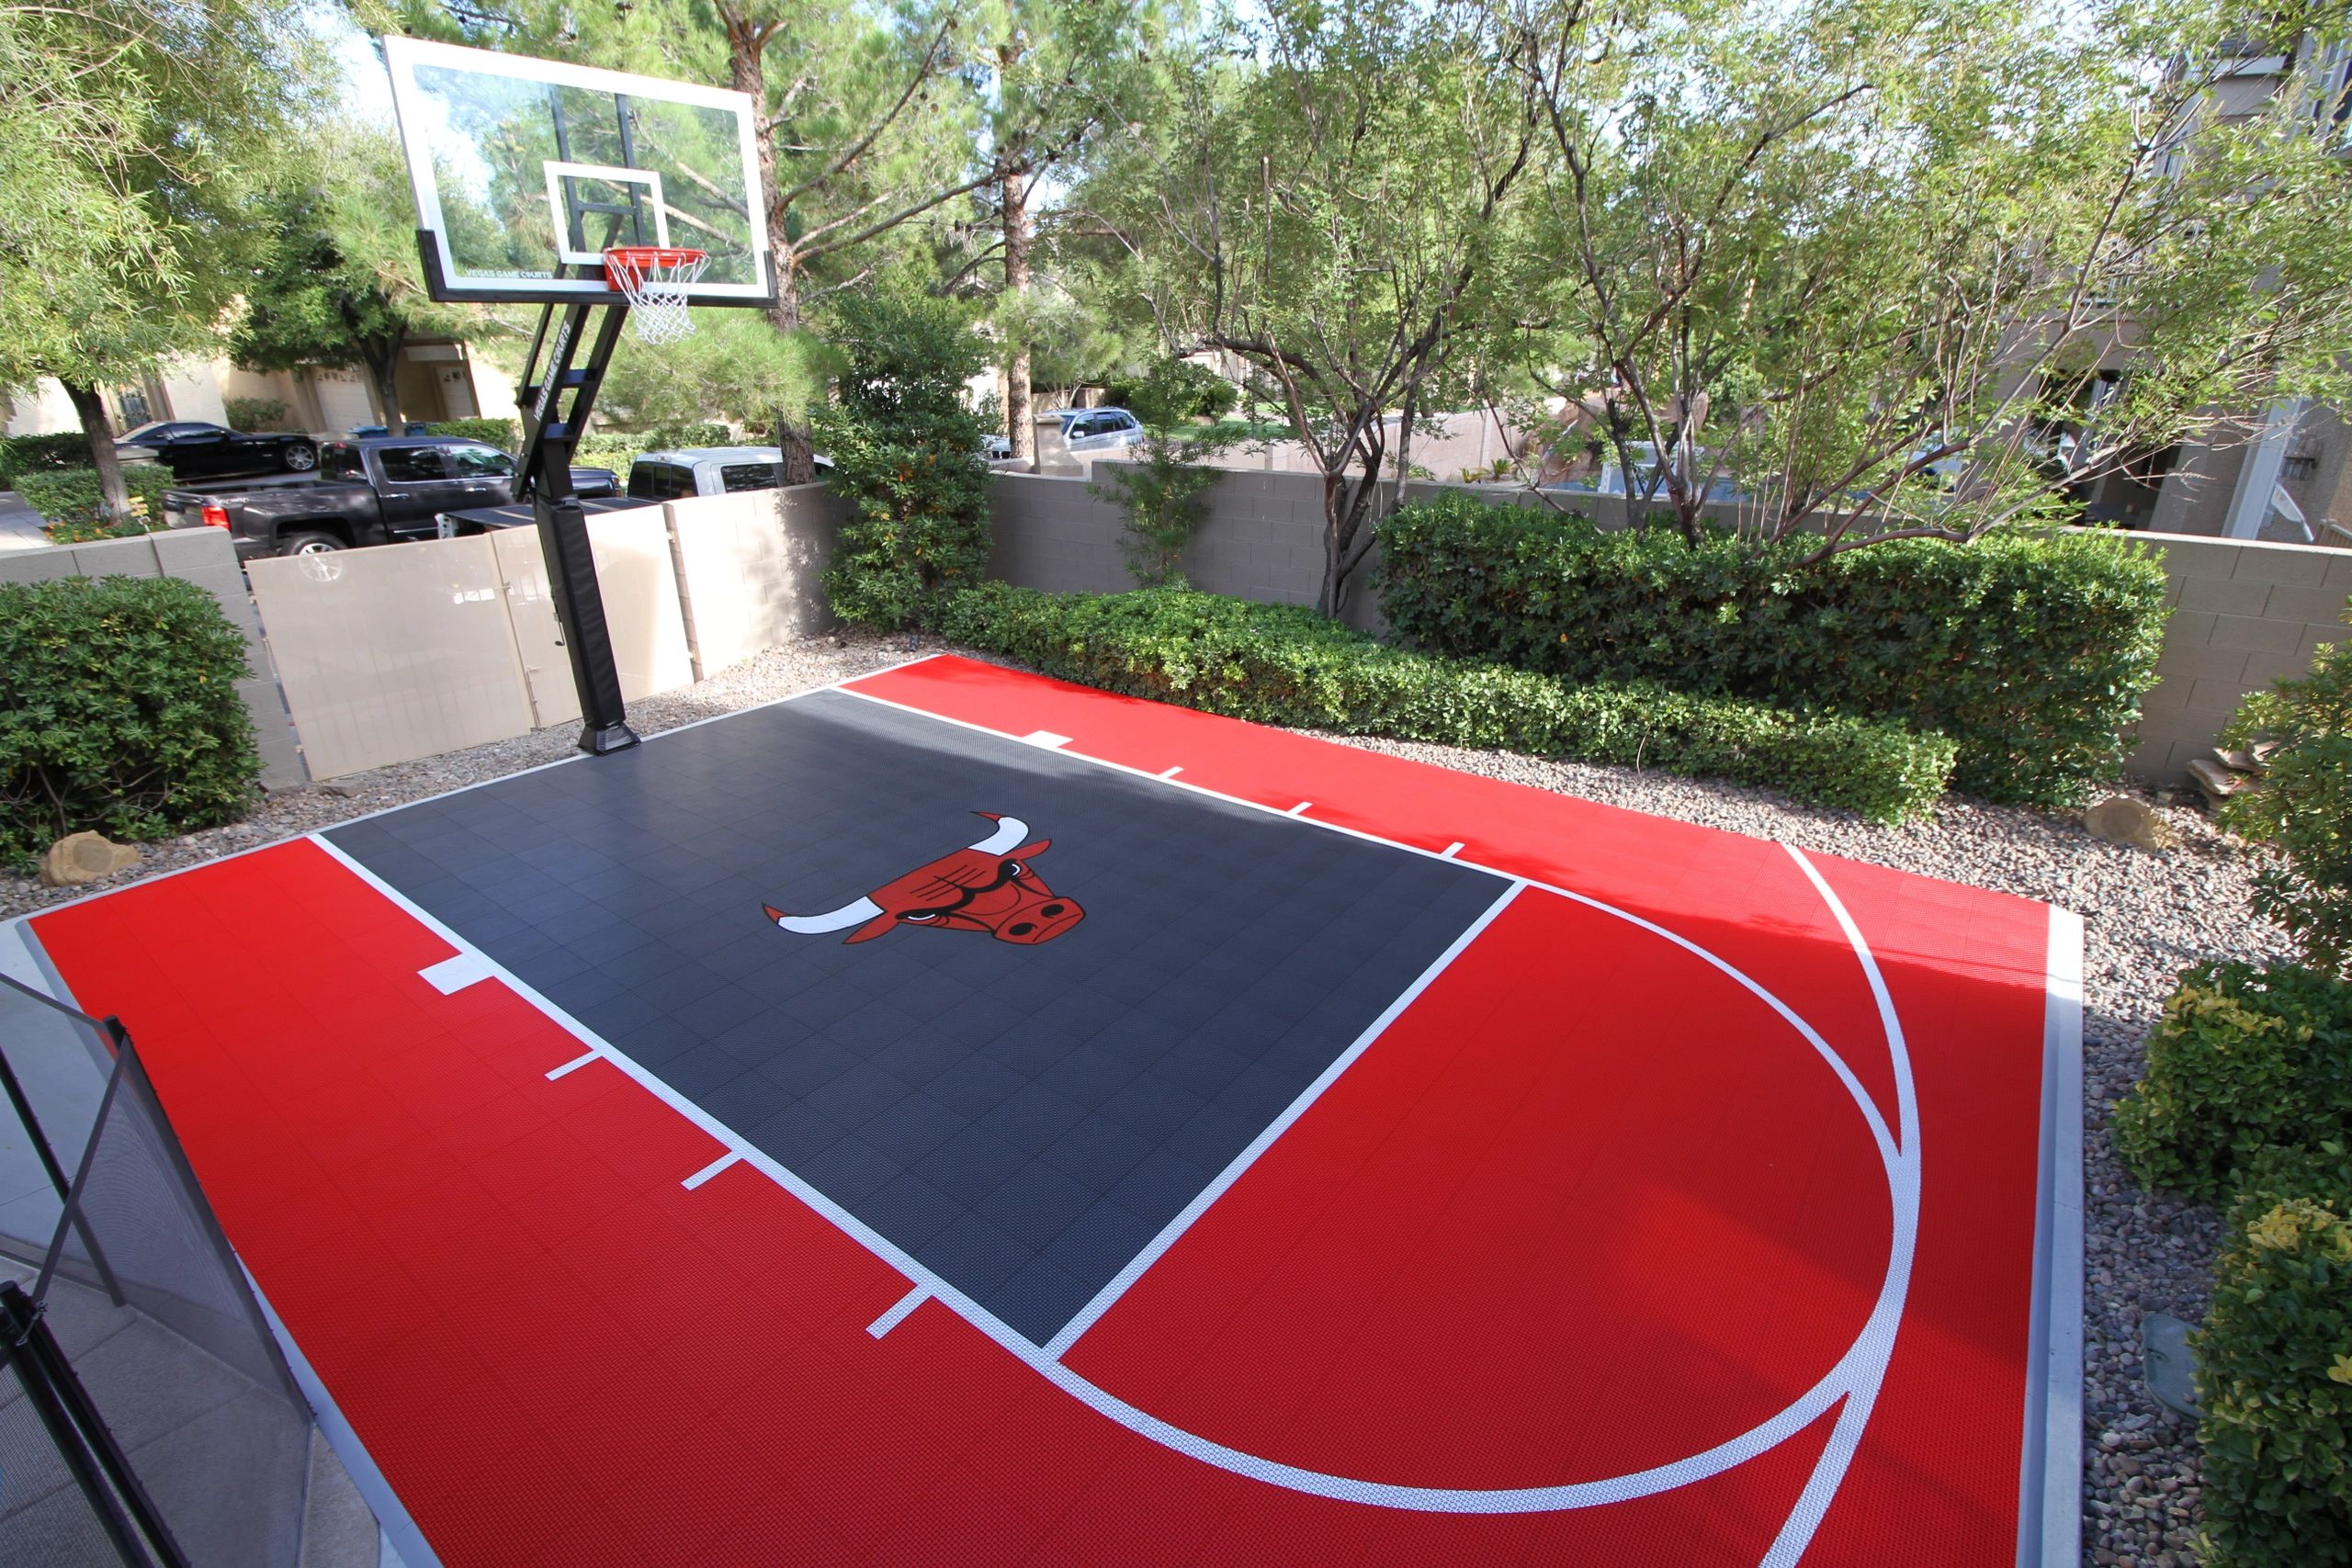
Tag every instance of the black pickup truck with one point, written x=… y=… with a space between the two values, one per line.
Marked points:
x=381 y=491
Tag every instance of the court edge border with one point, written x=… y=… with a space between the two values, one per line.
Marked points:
x=2050 y=1501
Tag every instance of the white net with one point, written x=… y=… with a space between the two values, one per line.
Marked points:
x=654 y=280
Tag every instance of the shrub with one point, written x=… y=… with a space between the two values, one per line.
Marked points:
x=118 y=711
x=2029 y=650
x=2304 y=807
x=506 y=434
x=1284 y=664
x=2243 y=1059
x=70 y=503
x=1177 y=389
x=2274 y=1369
x=253 y=414
x=906 y=460
x=1160 y=485
x=22 y=455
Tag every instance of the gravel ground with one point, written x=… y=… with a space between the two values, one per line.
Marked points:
x=2146 y=916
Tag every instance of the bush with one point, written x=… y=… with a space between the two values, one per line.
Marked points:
x=69 y=502
x=22 y=455
x=2029 y=650
x=2304 y=807
x=506 y=434
x=906 y=460
x=1160 y=485
x=118 y=712
x=1284 y=664
x=2243 y=1059
x=2274 y=1372
x=253 y=414
x=1176 y=389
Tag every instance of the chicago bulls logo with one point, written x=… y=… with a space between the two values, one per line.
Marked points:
x=989 y=887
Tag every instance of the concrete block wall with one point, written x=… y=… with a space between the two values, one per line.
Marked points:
x=204 y=557
x=1262 y=538
x=2245 y=613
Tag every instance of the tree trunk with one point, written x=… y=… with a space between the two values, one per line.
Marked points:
x=96 y=425
x=747 y=44
x=1017 y=423
x=384 y=364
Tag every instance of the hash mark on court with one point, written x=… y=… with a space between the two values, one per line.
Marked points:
x=1169 y=772
x=1453 y=850
x=1046 y=738
x=713 y=1169
x=456 y=974
x=573 y=1065
x=1300 y=809
x=900 y=1313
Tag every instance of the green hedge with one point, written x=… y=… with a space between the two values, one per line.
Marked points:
x=2029 y=650
x=118 y=711
x=68 y=499
x=2274 y=1370
x=1281 y=664
x=22 y=455
x=2304 y=807
x=504 y=434
x=2244 y=1059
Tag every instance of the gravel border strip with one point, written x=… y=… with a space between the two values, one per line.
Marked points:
x=2144 y=917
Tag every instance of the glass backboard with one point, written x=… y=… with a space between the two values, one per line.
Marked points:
x=526 y=170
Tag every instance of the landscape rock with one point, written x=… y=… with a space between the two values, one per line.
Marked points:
x=2119 y=819
x=78 y=858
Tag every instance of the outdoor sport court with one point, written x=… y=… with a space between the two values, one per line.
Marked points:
x=958 y=1117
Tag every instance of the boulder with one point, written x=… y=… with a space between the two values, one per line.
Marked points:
x=84 y=857
x=2120 y=819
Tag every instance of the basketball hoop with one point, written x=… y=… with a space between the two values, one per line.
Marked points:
x=654 y=279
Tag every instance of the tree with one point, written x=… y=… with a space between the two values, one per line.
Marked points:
x=1050 y=75
x=1323 y=202
x=341 y=285
x=1895 y=268
x=906 y=455
x=131 y=138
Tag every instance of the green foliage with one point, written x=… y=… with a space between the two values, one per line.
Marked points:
x=1284 y=664
x=1173 y=392
x=504 y=434
x=906 y=455
x=2274 y=1372
x=70 y=503
x=253 y=414
x=21 y=454
x=1161 y=483
x=2244 y=1059
x=118 y=712
x=2029 y=650
x=2305 y=805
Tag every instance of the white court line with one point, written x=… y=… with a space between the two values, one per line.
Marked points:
x=574 y=1064
x=899 y=1312
x=1046 y=738
x=1169 y=772
x=713 y=1169
x=1452 y=850
x=1300 y=809
x=453 y=974
x=1108 y=1296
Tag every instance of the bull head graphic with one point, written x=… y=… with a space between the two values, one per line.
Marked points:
x=989 y=887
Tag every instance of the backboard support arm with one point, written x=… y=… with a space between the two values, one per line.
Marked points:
x=554 y=412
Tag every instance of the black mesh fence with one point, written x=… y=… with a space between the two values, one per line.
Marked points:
x=153 y=1321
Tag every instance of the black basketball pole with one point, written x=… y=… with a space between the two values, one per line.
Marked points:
x=555 y=409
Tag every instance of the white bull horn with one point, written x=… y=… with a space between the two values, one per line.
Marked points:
x=1009 y=832
x=848 y=915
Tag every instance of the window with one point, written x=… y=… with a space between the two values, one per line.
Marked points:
x=751 y=476
x=480 y=463
x=341 y=462
x=659 y=481
x=411 y=465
